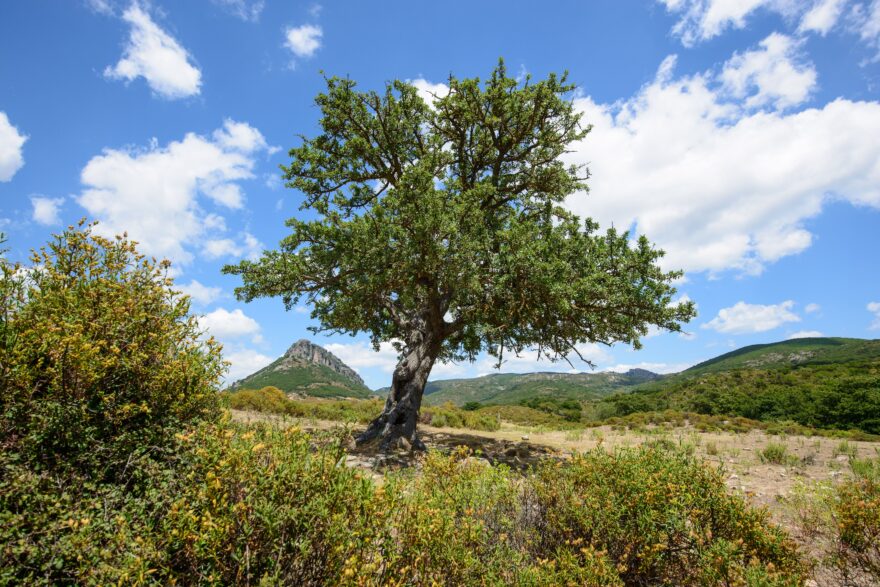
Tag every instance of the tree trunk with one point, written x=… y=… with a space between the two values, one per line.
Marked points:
x=395 y=427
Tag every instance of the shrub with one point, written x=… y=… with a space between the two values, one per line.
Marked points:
x=100 y=360
x=777 y=454
x=661 y=518
x=857 y=512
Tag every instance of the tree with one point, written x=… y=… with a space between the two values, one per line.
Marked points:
x=440 y=228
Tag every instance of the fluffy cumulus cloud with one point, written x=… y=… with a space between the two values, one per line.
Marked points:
x=428 y=91
x=360 y=355
x=775 y=74
x=700 y=20
x=822 y=16
x=46 y=210
x=11 y=143
x=874 y=308
x=225 y=325
x=200 y=293
x=805 y=334
x=243 y=362
x=156 y=56
x=303 y=40
x=158 y=194
x=724 y=182
x=743 y=318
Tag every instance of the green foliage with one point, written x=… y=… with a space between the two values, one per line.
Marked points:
x=100 y=360
x=312 y=380
x=273 y=400
x=841 y=396
x=857 y=513
x=777 y=454
x=661 y=518
x=449 y=415
x=466 y=222
x=567 y=409
x=235 y=505
x=471 y=406
x=515 y=388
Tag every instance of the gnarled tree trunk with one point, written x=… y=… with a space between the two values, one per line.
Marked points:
x=395 y=427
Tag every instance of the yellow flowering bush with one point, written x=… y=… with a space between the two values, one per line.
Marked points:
x=99 y=357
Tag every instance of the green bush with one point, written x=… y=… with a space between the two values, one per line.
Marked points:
x=777 y=454
x=857 y=513
x=100 y=360
x=661 y=518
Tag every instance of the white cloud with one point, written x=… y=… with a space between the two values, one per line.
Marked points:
x=46 y=210
x=429 y=92
x=701 y=20
x=250 y=247
x=874 y=308
x=153 y=193
x=243 y=9
x=11 y=142
x=805 y=334
x=156 y=56
x=662 y=368
x=203 y=294
x=822 y=17
x=360 y=355
x=775 y=75
x=811 y=308
x=743 y=318
x=223 y=324
x=303 y=40
x=104 y=7
x=528 y=361
x=301 y=310
x=865 y=21
x=717 y=185
x=244 y=362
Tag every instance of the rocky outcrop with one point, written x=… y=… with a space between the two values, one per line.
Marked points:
x=304 y=352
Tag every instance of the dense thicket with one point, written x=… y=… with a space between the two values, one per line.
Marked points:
x=842 y=396
x=100 y=360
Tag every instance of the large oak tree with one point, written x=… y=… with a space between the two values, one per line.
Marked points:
x=440 y=227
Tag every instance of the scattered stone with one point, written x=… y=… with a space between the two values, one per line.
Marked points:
x=525 y=436
x=842 y=458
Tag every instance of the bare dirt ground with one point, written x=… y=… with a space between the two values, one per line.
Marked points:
x=809 y=465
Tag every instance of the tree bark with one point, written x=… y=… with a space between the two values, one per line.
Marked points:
x=395 y=427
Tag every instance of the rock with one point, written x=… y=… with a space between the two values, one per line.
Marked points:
x=733 y=477
x=511 y=452
x=525 y=436
x=842 y=458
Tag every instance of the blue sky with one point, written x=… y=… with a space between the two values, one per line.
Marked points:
x=742 y=137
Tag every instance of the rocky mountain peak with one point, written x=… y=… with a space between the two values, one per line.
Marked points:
x=305 y=351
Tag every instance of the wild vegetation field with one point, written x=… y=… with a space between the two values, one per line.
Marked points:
x=121 y=465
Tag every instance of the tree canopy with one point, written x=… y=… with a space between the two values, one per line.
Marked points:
x=441 y=227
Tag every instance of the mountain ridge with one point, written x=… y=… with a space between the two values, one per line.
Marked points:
x=307 y=369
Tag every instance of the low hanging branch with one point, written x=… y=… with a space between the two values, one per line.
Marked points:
x=441 y=227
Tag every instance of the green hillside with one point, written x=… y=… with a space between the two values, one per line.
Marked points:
x=789 y=353
x=307 y=369
x=819 y=382
x=509 y=388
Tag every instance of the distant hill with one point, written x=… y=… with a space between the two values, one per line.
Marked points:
x=791 y=353
x=510 y=388
x=819 y=382
x=308 y=369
